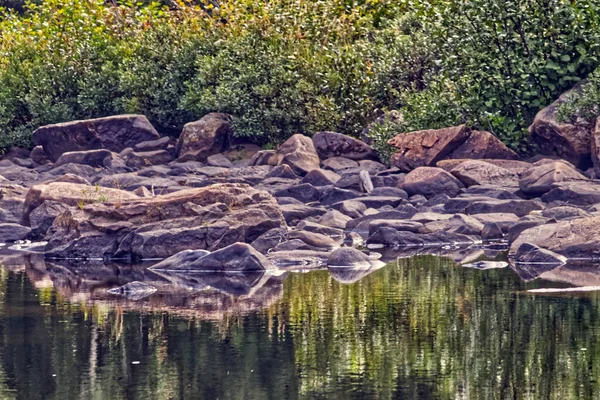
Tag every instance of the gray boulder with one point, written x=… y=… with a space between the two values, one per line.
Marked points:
x=207 y=136
x=238 y=257
x=114 y=133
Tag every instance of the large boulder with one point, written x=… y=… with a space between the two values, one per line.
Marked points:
x=543 y=177
x=207 y=136
x=332 y=144
x=578 y=238
x=428 y=181
x=568 y=141
x=238 y=257
x=482 y=145
x=426 y=148
x=299 y=153
x=207 y=218
x=114 y=133
x=477 y=172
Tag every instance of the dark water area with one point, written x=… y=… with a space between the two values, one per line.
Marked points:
x=423 y=327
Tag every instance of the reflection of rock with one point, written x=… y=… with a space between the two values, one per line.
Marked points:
x=529 y=272
x=237 y=284
x=299 y=259
x=210 y=296
x=482 y=265
x=134 y=290
x=354 y=274
x=576 y=274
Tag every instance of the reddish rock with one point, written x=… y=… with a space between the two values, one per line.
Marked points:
x=481 y=145
x=426 y=148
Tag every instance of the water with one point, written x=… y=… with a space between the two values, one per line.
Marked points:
x=422 y=327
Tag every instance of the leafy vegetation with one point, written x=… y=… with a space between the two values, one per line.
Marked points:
x=282 y=67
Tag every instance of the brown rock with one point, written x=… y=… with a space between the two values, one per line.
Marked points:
x=482 y=144
x=299 y=153
x=148 y=158
x=578 y=238
x=429 y=181
x=71 y=194
x=543 y=177
x=565 y=140
x=515 y=166
x=426 y=148
x=477 y=172
x=114 y=133
x=265 y=157
x=39 y=156
x=207 y=218
x=200 y=139
x=332 y=144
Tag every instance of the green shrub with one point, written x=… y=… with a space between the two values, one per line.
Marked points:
x=582 y=106
x=282 y=67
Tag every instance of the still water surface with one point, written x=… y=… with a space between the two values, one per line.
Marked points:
x=423 y=328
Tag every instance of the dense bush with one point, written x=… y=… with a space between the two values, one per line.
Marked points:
x=281 y=66
x=501 y=61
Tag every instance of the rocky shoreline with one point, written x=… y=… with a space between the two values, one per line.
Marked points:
x=112 y=188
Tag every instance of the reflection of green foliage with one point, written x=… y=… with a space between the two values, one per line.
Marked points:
x=421 y=328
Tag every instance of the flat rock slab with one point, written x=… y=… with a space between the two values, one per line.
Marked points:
x=578 y=194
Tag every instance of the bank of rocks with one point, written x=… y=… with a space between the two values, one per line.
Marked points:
x=119 y=190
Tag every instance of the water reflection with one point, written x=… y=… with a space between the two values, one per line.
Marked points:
x=421 y=327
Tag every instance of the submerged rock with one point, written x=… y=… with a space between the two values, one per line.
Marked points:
x=348 y=257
